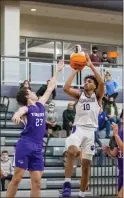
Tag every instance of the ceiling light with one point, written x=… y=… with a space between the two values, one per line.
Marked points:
x=33 y=9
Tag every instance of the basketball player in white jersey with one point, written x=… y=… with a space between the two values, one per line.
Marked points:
x=86 y=121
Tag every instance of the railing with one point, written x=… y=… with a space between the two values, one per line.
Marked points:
x=104 y=179
x=4 y=107
x=15 y=70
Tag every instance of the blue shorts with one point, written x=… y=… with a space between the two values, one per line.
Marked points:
x=28 y=155
x=120 y=181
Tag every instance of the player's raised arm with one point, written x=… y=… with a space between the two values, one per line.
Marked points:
x=17 y=116
x=117 y=138
x=99 y=78
x=112 y=153
x=52 y=83
x=75 y=93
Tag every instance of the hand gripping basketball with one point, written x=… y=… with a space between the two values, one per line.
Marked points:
x=78 y=60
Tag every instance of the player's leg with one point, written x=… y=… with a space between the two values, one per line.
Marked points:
x=13 y=185
x=120 y=185
x=88 y=150
x=35 y=183
x=73 y=143
x=21 y=164
x=36 y=168
x=121 y=192
x=86 y=166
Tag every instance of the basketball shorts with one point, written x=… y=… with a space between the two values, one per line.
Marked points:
x=83 y=138
x=120 y=180
x=28 y=155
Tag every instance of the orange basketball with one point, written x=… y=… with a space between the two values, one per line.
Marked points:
x=78 y=60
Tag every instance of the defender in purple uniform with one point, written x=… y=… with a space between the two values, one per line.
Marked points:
x=28 y=155
x=118 y=152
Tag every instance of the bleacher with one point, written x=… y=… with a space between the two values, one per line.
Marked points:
x=53 y=178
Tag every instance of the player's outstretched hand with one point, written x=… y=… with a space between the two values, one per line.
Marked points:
x=60 y=65
x=105 y=148
x=16 y=118
x=88 y=60
x=115 y=129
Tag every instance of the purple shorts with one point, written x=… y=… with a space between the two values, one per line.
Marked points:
x=28 y=155
x=120 y=181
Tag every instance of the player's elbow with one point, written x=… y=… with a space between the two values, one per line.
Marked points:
x=66 y=88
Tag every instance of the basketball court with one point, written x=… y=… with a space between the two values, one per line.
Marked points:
x=52 y=194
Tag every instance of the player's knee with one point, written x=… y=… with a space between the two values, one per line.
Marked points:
x=73 y=151
x=36 y=184
x=16 y=179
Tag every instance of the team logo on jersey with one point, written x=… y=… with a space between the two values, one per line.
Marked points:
x=73 y=129
x=92 y=148
x=82 y=100
x=20 y=162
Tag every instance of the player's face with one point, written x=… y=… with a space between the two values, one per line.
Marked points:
x=32 y=96
x=89 y=85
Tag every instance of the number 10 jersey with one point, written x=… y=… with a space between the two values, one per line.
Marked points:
x=87 y=111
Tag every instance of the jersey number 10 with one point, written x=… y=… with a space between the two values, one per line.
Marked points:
x=86 y=107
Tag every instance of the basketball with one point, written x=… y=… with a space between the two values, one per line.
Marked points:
x=78 y=60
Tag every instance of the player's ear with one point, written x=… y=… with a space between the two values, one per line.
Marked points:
x=94 y=86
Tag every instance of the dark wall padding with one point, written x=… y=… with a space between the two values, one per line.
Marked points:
x=11 y=91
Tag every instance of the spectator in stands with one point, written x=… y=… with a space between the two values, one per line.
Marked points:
x=7 y=168
x=104 y=123
x=112 y=86
x=26 y=84
x=105 y=58
x=95 y=58
x=112 y=111
x=51 y=121
x=68 y=118
x=42 y=90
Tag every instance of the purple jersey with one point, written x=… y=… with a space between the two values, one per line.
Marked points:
x=120 y=154
x=35 y=128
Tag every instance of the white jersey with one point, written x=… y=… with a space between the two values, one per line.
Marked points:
x=87 y=111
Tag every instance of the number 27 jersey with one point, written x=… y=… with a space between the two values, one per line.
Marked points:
x=35 y=127
x=87 y=111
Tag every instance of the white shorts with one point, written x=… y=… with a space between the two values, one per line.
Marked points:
x=82 y=138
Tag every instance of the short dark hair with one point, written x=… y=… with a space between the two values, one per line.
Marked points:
x=94 y=48
x=21 y=96
x=92 y=77
x=5 y=151
x=104 y=53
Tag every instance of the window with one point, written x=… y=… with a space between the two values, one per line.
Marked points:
x=41 y=49
x=105 y=48
x=58 y=50
x=69 y=48
x=23 y=47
